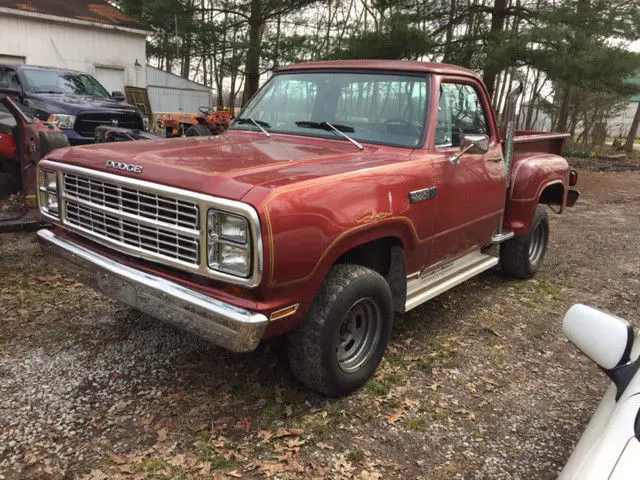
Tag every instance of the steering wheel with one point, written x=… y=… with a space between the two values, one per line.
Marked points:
x=399 y=121
x=206 y=110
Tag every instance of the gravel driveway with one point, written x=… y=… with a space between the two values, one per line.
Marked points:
x=477 y=384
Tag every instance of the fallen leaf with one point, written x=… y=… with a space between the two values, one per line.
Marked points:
x=268 y=469
x=177 y=461
x=162 y=434
x=284 y=432
x=295 y=442
x=394 y=417
x=324 y=446
x=265 y=435
x=243 y=424
x=115 y=458
x=126 y=469
x=234 y=474
x=49 y=278
x=288 y=410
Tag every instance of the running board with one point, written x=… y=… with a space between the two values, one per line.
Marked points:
x=422 y=289
x=501 y=237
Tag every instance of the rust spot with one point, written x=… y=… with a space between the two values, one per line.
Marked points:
x=26 y=6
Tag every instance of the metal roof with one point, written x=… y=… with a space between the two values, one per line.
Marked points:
x=96 y=11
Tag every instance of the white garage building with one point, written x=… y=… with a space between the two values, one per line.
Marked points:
x=96 y=38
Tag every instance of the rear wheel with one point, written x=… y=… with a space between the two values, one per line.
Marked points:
x=198 y=130
x=340 y=342
x=523 y=256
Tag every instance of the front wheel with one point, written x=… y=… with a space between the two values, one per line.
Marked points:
x=340 y=342
x=522 y=256
x=198 y=130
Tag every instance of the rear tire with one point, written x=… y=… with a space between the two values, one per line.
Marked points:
x=198 y=130
x=522 y=256
x=338 y=345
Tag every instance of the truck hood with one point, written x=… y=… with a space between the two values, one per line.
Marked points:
x=231 y=164
x=75 y=104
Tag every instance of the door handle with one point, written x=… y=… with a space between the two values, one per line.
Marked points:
x=494 y=159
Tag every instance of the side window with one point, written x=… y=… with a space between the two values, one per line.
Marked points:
x=9 y=79
x=459 y=111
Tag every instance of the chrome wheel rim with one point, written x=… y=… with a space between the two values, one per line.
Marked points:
x=359 y=334
x=537 y=244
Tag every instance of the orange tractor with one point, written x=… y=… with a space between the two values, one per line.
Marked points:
x=207 y=122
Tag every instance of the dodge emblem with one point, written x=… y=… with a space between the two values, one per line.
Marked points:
x=124 y=166
x=114 y=122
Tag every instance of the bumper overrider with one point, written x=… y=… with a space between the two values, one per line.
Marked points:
x=221 y=323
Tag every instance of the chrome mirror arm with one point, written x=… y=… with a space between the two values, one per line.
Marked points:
x=455 y=159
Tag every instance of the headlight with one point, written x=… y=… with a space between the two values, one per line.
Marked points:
x=229 y=247
x=48 y=192
x=145 y=124
x=62 y=120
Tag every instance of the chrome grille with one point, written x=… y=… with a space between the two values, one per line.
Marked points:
x=165 y=227
x=132 y=200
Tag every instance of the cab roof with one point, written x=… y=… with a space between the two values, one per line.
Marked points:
x=397 y=65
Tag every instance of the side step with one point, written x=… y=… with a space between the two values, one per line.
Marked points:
x=421 y=289
x=501 y=237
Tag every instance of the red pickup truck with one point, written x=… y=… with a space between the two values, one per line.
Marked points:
x=343 y=192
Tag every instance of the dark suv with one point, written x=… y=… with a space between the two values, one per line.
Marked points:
x=75 y=101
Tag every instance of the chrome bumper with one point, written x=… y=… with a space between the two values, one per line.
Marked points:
x=226 y=325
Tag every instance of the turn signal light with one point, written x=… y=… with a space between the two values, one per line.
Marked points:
x=573 y=177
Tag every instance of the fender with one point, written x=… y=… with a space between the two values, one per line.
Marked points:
x=530 y=176
x=309 y=225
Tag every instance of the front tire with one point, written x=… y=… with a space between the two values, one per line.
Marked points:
x=198 y=130
x=342 y=338
x=523 y=256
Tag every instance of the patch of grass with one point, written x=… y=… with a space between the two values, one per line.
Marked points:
x=152 y=464
x=395 y=359
x=377 y=388
x=355 y=454
x=415 y=423
x=218 y=462
x=272 y=412
x=392 y=377
x=425 y=364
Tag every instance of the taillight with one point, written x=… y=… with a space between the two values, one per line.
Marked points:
x=573 y=177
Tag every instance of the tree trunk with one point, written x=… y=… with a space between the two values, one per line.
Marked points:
x=563 y=116
x=252 y=62
x=633 y=131
x=498 y=15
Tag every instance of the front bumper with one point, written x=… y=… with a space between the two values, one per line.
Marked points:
x=221 y=323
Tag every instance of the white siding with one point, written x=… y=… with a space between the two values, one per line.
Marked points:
x=79 y=47
x=170 y=93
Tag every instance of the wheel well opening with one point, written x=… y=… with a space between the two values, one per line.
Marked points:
x=375 y=255
x=385 y=256
x=552 y=194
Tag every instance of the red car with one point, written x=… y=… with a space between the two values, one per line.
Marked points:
x=24 y=140
x=342 y=193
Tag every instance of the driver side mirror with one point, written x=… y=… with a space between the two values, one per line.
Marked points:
x=605 y=339
x=118 y=96
x=471 y=143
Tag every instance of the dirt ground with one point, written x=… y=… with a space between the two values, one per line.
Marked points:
x=477 y=384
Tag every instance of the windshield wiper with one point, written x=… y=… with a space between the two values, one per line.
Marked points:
x=48 y=91
x=258 y=123
x=337 y=128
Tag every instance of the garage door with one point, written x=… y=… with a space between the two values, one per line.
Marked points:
x=11 y=60
x=111 y=78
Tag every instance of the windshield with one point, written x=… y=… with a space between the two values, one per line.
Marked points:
x=369 y=107
x=61 y=81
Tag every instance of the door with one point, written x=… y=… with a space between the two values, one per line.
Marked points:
x=470 y=194
x=111 y=78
